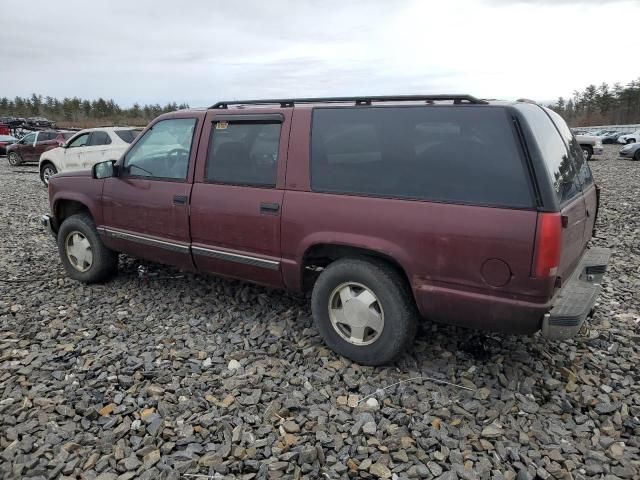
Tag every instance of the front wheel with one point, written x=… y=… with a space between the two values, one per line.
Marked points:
x=84 y=256
x=14 y=159
x=636 y=156
x=46 y=172
x=364 y=310
x=587 y=152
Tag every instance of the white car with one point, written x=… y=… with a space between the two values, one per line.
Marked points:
x=85 y=149
x=630 y=137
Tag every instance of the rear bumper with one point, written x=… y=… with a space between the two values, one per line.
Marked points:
x=574 y=302
x=49 y=223
x=558 y=318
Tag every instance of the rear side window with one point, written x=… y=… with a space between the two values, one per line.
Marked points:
x=244 y=153
x=128 y=135
x=99 y=138
x=582 y=166
x=560 y=165
x=456 y=154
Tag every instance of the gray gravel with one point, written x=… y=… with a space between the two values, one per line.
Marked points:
x=178 y=375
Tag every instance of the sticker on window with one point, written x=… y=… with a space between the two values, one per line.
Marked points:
x=221 y=125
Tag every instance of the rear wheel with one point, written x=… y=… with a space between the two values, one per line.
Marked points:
x=587 y=151
x=364 y=310
x=84 y=256
x=47 y=171
x=14 y=159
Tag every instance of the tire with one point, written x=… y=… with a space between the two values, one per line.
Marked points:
x=587 y=151
x=97 y=266
x=14 y=159
x=630 y=140
x=636 y=155
x=393 y=303
x=46 y=171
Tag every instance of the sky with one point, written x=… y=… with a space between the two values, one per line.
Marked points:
x=202 y=51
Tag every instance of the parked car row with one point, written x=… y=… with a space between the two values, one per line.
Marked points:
x=58 y=151
x=14 y=122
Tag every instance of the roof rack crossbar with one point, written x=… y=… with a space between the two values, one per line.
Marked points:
x=290 y=102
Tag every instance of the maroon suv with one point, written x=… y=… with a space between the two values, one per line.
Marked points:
x=389 y=209
x=31 y=146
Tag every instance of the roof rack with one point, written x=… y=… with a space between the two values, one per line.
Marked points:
x=290 y=102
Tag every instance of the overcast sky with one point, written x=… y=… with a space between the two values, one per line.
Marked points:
x=202 y=51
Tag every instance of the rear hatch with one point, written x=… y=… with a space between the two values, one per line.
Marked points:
x=570 y=175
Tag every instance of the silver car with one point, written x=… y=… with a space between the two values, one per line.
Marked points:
x=631 y=151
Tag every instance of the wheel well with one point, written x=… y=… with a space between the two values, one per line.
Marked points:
x=65 y=208
x=588 y=147
x=318 y=257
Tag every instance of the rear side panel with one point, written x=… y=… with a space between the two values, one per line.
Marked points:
x=467 y=264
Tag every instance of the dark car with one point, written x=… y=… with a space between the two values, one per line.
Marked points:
x=39 y=122
x=5 y=141
x=31 y=146
x=611 y=137
x=387 y=209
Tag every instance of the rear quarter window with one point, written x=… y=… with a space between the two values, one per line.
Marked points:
x=560 y=162
x=458 y=154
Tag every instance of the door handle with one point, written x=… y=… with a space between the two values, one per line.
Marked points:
x=269 y=208
x=180 y=199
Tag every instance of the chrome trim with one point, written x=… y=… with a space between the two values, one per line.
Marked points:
x=47 y=223
x=236 y=257
x=174 y=247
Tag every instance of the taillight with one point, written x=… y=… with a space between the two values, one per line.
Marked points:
x=548 y=242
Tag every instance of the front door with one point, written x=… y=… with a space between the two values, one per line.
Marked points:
x=237 y=196
x=73 y=152
x=28 y=147
x=146 y=207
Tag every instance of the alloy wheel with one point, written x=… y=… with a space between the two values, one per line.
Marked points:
x=356 y=314
x=78 y=250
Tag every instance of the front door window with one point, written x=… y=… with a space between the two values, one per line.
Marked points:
x=163 y=152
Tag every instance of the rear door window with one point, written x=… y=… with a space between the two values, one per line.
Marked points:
x=560 y=164
x=456 y=154
x=98 y=138
x=243 y=153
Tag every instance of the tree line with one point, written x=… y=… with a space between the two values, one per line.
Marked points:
x=601 y=105
x=81 y=112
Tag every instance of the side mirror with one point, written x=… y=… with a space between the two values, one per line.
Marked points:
x=106 y=169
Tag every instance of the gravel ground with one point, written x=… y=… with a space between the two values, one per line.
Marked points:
x=188 y=376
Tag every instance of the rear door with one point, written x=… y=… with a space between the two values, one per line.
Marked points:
x=45 y=141
x=95 y=149
x=237 y=195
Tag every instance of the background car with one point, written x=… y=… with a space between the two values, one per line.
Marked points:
x=631 y=151
x=611 y=137
x=5 y=141
x=31 y=146
x=39 y=122
x=85 y=149
x=630 y=137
